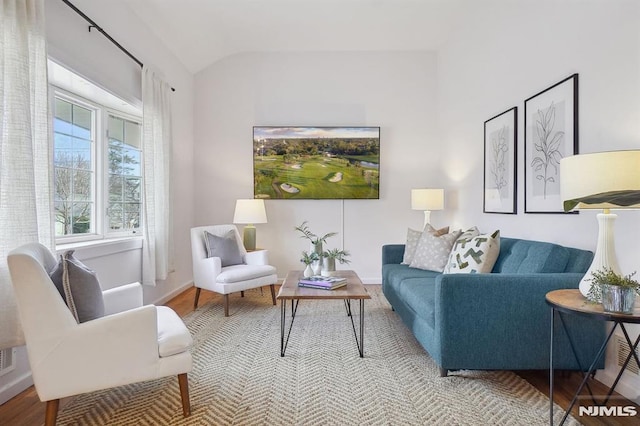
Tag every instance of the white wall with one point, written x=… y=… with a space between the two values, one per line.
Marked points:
x=92 y=56
x=395 y=91
x=505 y=55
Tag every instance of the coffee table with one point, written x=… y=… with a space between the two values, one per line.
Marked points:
x=354 y=290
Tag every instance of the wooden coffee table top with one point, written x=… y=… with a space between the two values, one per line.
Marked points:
x=353 y=290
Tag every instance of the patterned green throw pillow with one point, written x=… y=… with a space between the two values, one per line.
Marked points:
x=474 y=255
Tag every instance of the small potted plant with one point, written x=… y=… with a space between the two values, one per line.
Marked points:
x=315 y=240
x=308 y=258
x=331 y=257
x=616 y=292
x=316 y=243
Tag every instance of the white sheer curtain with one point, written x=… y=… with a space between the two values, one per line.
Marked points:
x=157 y=251
x=25 y=154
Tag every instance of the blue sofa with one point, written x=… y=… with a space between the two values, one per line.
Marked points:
x=497 y=321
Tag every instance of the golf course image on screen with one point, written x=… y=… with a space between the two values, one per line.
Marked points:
x=316 y=162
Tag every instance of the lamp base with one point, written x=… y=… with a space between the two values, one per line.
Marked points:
x=427 y=218
x=605 y=255
x=249 y=237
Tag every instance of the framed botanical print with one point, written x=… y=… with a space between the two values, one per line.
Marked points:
x=500 y=157
x=551 y=134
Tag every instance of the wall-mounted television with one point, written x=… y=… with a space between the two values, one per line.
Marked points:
x=316 y=162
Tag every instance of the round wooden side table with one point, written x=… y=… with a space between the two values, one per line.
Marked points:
x=572 y=302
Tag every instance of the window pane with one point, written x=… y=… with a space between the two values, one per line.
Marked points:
x=82 y=185
x=62 y=141
x=132 y=189
x=132 y=134
x=116 y=128
x=115 y=213
x=131 y=162
x=62 y=190
x=132 y=215
x=82 y=159
x=81 y=122
x=115 y=158
x=63 y=110
x=115 y=188
x=62 y=211
x=81 y=218
x=74 y=193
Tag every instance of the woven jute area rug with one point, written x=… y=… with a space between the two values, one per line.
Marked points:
x=239 y=377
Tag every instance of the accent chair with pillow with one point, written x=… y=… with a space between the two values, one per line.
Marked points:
x=221 y=263
x=80 y=339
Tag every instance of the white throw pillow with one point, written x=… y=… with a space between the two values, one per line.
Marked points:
x=433 y=251
x=413 y=237
x=475 y=255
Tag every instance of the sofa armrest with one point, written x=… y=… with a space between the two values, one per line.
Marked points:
x=392 y=253
x=496 y=316
x=122 y=298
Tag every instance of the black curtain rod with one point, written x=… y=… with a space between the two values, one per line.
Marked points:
x=104 y=33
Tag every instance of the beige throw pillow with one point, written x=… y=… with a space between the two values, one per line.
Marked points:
x=413 y=237
x=474 y=255
x=433 y=251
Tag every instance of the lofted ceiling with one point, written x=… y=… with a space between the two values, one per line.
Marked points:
x=201 y=32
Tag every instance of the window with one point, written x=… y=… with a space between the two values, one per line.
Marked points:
x=97 y=169
x=125 y=174
x=73 y=160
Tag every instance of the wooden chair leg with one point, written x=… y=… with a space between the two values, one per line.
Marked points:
x=273 y=293
x=184 y=394
x=51 y=412
x=226 y=305
x=195 y=302
x=242 y=294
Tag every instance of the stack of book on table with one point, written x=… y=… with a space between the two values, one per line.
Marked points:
x=324 y=283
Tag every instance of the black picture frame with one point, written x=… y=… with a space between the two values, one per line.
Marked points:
x=551 y=133
x=501 y=163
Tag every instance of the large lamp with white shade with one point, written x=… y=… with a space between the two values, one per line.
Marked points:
x=603 y=181
x=427 y=199
x=249 y=212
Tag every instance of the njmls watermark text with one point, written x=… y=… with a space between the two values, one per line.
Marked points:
x=615 y=411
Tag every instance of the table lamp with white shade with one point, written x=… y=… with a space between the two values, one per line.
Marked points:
x=604 y=181
x=249 y=212
x=427 y=199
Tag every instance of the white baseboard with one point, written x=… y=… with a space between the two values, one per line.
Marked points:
x=164 y=299
x=626 y=386
x=16 y=386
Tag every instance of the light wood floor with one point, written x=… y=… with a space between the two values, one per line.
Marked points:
x=26 y=409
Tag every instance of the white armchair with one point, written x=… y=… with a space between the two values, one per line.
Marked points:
x=131 y=343
x=208 y=272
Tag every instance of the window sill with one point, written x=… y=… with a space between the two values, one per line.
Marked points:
x=98 y=248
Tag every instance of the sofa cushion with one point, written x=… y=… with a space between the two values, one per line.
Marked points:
x=475 y=255
x=433 y=251
x=528 y=257
x=413 y=237
x=79 y=287
x=419 y=295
